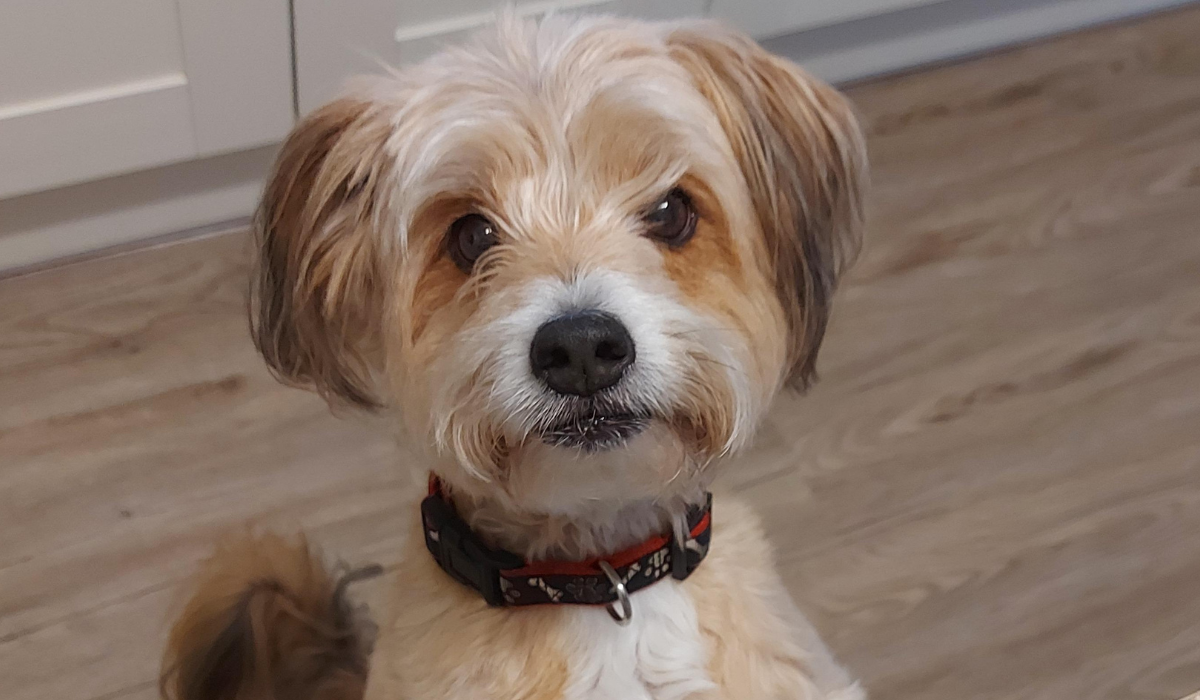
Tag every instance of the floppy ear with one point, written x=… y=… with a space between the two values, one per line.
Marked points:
x=317 y=293
x=802 y=154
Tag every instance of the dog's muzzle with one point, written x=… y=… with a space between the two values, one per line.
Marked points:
x=582 y=357
x=593 y=430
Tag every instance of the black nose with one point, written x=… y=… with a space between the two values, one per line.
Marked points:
x=581 y=353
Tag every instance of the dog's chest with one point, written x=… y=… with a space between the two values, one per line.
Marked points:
x=659 y=655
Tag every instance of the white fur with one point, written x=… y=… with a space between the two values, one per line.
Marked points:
x=663 y=328
x=660 y=655
x=564 y=481
x=648 y=316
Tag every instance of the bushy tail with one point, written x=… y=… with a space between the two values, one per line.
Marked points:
x=266 y=622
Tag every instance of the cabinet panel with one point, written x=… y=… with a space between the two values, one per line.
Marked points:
x=238 y=60
x=93 y=88
x=53 y=47
x=333 y=44
x=133 y=126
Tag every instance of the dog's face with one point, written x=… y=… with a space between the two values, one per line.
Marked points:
x=577 y=260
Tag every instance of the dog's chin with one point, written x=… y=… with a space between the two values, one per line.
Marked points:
x=596 y=431
x=640 y=465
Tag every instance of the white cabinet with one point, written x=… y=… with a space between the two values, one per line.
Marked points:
x=768 y=18
x=92 y=88
x=95 y=95
x=335 y=41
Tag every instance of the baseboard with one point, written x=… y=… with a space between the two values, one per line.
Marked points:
x=113 y=213
x=952 y=29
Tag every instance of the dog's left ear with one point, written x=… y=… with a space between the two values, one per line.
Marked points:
x=804 y=159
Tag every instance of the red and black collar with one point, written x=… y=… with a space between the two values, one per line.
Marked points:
x=506 y=579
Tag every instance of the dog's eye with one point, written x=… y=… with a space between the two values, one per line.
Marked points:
x=469 y=238
x=672 y=219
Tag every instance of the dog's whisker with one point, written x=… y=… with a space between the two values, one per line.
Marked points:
x=700 y=331
x=726 y=365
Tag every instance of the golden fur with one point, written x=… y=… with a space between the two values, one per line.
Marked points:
x=802 y=155
x=760 y=646
x=265 y=621
x=562 y=134
x=472 y=645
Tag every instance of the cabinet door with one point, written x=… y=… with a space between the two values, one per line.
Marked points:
x=769 y=18
x=92 y=88
x=335 y=41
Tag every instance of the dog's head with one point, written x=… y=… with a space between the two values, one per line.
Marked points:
x=577 y=259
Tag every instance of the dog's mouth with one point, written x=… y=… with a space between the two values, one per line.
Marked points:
x=596 y=430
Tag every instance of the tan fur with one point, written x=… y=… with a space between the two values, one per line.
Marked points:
x=265 y=622
x=562 y=134
x=760 y=647
x=442 y=641
x=804 y=159
x=319 y=281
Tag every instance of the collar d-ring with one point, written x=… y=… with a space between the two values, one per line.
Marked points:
x=624 y=617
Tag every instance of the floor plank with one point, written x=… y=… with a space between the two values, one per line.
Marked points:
x=995 y=491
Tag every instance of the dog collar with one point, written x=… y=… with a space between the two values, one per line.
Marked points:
x=506 y=579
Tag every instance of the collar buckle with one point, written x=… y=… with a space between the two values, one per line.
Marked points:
x=681 y=537
x=460 y=552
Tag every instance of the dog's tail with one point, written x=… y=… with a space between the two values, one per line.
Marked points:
x=267 y=622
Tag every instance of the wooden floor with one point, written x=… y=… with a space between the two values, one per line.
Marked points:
x=995 y=491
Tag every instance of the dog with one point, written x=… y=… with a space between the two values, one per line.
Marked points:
x=574 y=261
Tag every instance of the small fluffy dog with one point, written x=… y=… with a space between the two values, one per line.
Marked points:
x=575 y=260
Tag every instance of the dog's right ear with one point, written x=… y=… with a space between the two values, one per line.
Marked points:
x=317 y=293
